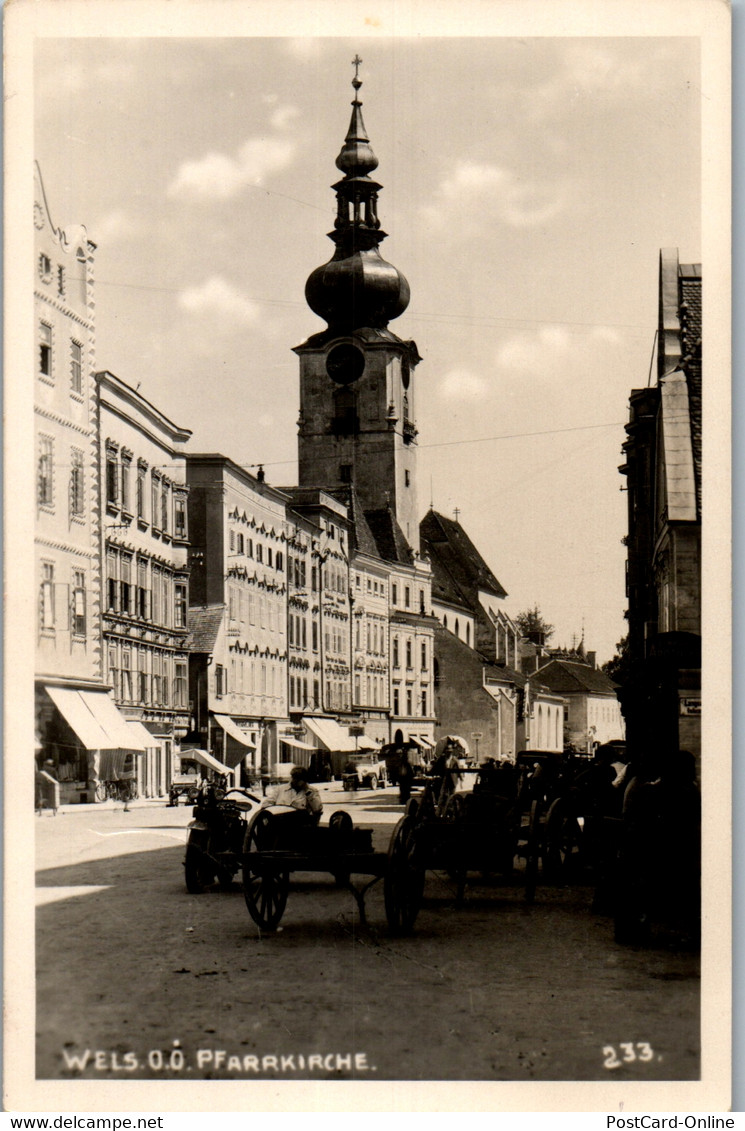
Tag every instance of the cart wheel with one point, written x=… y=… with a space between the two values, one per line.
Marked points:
x=404 y=880
x=373 y=781
x=563 y=843
x=101 y=791
x=532 y=852
x=265 y=886
x=199 y=871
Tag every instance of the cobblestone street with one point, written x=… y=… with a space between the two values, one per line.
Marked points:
x=139 y=979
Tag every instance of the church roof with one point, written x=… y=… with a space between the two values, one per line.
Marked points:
x=458 y=569
x=361 y=539
x=564 y=676
x=389 y=537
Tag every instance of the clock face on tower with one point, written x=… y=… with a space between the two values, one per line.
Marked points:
x=345 y=363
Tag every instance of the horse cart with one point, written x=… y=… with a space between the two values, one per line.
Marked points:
x=281 y=841
x=503 y=817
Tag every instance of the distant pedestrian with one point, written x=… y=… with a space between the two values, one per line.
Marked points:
x=405 y=777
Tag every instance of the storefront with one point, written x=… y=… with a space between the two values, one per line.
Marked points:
x=79 y=731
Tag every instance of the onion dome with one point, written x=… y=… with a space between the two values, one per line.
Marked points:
x=357 y=287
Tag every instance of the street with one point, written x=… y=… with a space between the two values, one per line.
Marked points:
x=138 y=979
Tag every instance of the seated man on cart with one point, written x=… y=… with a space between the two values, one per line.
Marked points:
x=296 y=794
x=302 y=811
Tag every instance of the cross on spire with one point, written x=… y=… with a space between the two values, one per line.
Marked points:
x=457 y=514
x=356 y=64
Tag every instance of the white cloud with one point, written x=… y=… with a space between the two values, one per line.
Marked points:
x=462 y=383
x=217 y=297
x=283 y=116
x=220 y=176
x=540 y=352
x=501 y=193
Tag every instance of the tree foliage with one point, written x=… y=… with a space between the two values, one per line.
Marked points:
x=530 y=622
x=617 y=669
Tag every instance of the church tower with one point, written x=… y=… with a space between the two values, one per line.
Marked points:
x=357 y=424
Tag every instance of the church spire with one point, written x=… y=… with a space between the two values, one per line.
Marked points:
x=357 y=287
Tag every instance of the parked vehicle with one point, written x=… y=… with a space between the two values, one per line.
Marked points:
x=363 y=771
x=185 y=783
x=214 y=846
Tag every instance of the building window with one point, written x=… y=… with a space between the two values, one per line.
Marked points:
x=345 y=473
x=424 y=704
x=394 y=593
x=111 y=581
x=396 y=658
x=125 y=584
x=409 y=664
x=125 y=470
x=78 y=603
x=77 y=493
x=179 y=517
x=407 y=478
x=143 y=595
x=113 y=664
x=279 y=561
x=45 y=268
x=143 y=691
x=407 y=597
x=180 y=604
x=424 y=656
x=314 y=635
x=179 y=684
x=269 y=555
x=259 y=552
x=126 y=675
x=46 y=611
x=76 y=368
x=112 y=480
x=157 y=679
x=409 y=702
x=45 y=349
x=45 y=482
x=154 y=499
x=221 y=681
x=155 y=595
x=141 y=493
x=164 y=503
x=396 y=701
x=61 y=281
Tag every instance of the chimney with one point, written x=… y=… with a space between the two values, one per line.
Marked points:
x=591 y=659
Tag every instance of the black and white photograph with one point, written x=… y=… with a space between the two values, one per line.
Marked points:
x=367 y=476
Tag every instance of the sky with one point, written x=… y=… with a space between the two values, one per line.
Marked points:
x=528 y=186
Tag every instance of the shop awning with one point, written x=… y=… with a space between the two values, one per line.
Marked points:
x=95 y=719
x=295 y=743
x=234 y=730
x=423 y=740
x=149 y=740
x=205 y=759
x=333 y=737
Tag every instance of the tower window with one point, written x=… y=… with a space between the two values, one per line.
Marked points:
x=345 y=473
x=345 y=421
x=407 y=477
